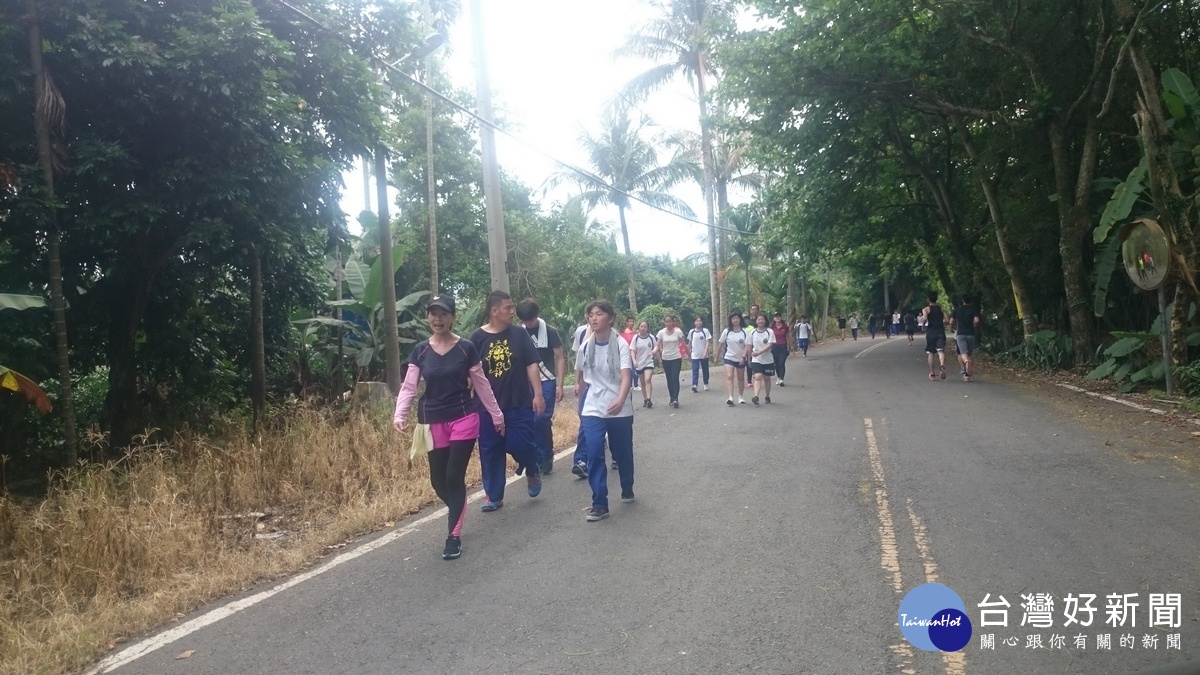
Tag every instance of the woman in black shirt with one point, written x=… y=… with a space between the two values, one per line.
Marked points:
x=450 y=366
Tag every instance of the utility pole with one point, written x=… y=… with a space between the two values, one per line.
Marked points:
x=497 y=248
x=391 y=331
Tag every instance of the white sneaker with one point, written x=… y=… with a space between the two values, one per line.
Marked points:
x=637 y=387
x=741 y=400
x=706 y=387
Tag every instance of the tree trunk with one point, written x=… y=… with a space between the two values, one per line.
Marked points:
x=828 y=289
x=706 y=158
x=1016 y=279
x=1074 y=216
x=1175 y=211
x=628 y=261
x=127 y=300
x=803 y=293
x=337 y=373
x=48 y=106
x=723 y=304
x=391 y=334
x=258 y=353
x=789 y=311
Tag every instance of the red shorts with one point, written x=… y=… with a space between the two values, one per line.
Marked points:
x=465 y=428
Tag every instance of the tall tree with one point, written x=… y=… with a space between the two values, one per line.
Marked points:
x=629 y=166
x=681 y=40
x=48 y=114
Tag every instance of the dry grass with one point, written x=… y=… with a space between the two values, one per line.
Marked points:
x=114 y=551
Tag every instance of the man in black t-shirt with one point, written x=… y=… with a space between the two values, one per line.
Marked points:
x=552 y=371
x=842 y=326
x=510 y=362
x=965 y=321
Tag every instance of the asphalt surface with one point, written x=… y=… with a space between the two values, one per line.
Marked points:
x=778 y=539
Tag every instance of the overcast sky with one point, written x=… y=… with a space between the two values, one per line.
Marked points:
x=552 y=73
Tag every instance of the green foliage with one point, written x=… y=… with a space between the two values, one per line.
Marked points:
x=1046 y=350
x=653 y=314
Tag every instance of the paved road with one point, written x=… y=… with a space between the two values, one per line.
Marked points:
x=778 y=539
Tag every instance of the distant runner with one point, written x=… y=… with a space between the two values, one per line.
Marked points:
x=910 y=325
x=935 y=335
x=965 y=321
x=803 y=335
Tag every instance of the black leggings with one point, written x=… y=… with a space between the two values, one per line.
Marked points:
x=780 y=354
x=671 y=370
x=448 y=475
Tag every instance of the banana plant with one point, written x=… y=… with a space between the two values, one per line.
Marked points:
x=11 y=380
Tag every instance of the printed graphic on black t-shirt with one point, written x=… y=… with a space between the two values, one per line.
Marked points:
x=505 y=357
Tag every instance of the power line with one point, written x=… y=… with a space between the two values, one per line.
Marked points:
x=495 y=127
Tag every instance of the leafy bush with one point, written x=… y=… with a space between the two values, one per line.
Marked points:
x=1130 y=357
x=1046 y=350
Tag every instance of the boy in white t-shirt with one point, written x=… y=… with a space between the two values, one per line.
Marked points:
x=699 y=339
x=607 y=413
x=803 y=335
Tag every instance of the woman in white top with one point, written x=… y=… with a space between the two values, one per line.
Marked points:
x=604 y=366
x=669 y=340
x=762 y=361
x=736 y=345
x=642 y=350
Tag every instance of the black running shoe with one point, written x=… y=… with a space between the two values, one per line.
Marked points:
x=767 y=399
x=580 y=469
x=754 y=400
x=627 y=497
x=453 y=548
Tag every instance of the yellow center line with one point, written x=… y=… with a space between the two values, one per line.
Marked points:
x=890 y=559
x=954 y=662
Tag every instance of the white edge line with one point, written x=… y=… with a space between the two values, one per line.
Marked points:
x=140 y=649
x=872 y=347
x=1114 y=399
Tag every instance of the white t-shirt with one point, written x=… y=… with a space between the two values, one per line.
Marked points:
x=699 y=340
x=602 y=390
x=803 y=331
x=760 y=339
x=643 y=351
x=896 y=317
x=735 y=344
x=670 y=344
x=578 y=341
x=854 y=322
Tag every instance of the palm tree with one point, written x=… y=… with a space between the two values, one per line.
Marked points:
x=626 y=167
x=731 y=167
x=747 y=223
x=680 y=40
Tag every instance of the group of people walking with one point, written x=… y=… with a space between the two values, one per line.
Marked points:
x=500 y=385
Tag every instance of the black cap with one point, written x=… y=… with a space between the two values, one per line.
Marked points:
x=444 y=301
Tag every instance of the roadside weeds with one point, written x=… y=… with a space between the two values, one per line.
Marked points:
x=116 y=550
